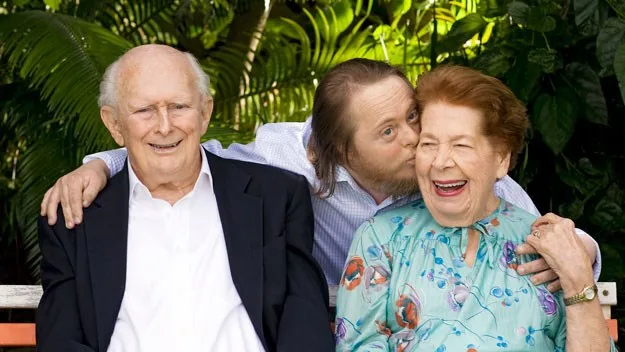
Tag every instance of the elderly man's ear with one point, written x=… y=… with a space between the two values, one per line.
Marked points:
x=207 y=111
x=108 y=116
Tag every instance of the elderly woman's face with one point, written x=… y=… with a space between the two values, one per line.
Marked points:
x=457 y=166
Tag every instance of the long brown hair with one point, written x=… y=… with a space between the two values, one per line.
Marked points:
x=332 y=125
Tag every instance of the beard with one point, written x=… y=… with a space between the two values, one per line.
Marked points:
x=395 y=181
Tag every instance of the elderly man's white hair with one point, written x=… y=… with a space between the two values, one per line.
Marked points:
x=108 y=86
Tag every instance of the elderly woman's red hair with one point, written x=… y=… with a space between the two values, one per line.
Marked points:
x=505 y=119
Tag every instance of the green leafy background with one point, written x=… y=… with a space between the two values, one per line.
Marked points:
x=564 y=58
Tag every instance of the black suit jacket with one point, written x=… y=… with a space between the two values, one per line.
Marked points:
x=267 y=222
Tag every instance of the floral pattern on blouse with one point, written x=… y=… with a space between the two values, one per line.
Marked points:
x=406 y=287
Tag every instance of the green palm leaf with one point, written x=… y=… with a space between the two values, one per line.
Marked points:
x=143 y=22
x=48 y=158
x=281 y=82
x=65 y=58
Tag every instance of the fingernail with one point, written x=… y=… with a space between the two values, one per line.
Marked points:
x=521 y=270
x=69 y=225
x=77 y=220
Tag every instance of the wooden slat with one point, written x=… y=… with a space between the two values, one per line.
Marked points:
x=20 y=296
x=17 y=335
x=613 y=327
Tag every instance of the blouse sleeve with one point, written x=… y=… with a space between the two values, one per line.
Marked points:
x=361 y=319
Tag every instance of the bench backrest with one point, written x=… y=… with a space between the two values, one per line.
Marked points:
x=20 y=297
x=27 y=297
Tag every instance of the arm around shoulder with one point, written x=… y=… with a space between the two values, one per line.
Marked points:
x=304 y=325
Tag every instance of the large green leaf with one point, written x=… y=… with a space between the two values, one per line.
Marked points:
x=65 y=57
x=619 y=68
x=280 y=83
x=548 y=59
x=618 y=6
x=555 y=117
x=523 y=78
x=534 y=17
x=335 y=19
x=461 y=31
x=398 y=9
x=581 y=176
x=608 y=40
x=586 y=84
x=142 y=22
x=587 y=16
x=495 y=62
x=48 y=158
x=492 y=8
x=53 y=4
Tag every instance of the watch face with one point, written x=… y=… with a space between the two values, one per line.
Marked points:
x=589 y=293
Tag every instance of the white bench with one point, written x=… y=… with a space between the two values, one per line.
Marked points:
x=18 y=297
x=27 y=297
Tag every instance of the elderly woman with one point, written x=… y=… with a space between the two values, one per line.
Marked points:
x=438 y=274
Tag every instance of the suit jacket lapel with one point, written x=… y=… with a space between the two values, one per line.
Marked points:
x=241 y=217
x=106 y=229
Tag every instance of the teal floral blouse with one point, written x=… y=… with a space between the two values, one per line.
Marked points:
x=405 y=287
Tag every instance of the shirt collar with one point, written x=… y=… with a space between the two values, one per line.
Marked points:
x=138 y=189
x=488 y=228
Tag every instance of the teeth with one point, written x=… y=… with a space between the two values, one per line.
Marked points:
x=450 y=185
x=163 y=146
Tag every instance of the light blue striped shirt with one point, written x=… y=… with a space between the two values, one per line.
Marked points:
x=337 y=217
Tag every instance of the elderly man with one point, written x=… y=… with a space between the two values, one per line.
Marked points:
x=183 y=250
x=357 y=150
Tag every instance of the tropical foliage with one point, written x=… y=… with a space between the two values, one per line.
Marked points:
x=564 y=58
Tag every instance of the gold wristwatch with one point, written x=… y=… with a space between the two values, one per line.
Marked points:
x=588 y=294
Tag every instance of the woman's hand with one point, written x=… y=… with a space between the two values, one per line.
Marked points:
x=554 y=238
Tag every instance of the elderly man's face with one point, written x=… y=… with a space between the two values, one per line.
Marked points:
x=160 y=116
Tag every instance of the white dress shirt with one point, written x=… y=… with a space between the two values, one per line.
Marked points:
x=336 y=218
x=179 y=293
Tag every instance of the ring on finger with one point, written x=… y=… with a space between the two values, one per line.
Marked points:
x=536 y=233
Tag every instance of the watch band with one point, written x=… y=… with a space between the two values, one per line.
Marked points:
x=588 y=294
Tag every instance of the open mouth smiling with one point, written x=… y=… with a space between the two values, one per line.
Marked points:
x=449 y=187
x=165 y=146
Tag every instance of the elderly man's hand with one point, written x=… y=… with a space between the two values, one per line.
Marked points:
x=554 y=238
x=539 y=269
x=75 y=191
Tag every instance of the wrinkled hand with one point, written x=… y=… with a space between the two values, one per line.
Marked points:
x=74 y=191
x=554 y=238
x=541 y=271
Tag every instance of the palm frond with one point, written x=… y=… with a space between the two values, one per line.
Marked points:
x=281 y=82
x=142 y=22
x=44 y=162
x=65 y=58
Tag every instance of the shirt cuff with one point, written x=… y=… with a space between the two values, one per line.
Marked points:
x=596 y=266
x=114 y=159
